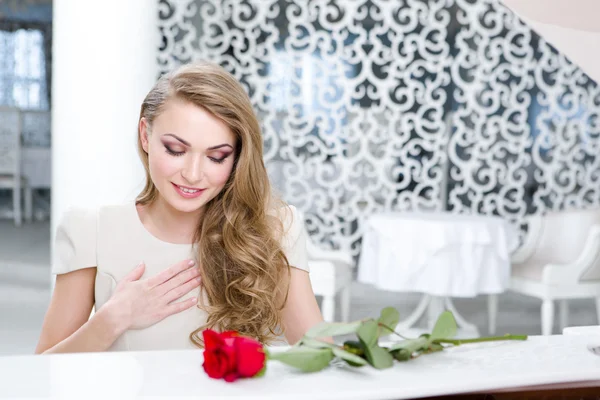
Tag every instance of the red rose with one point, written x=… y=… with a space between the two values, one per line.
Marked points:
x=230 y=356
x=251 y=356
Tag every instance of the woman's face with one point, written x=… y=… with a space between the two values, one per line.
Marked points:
x=190 y=154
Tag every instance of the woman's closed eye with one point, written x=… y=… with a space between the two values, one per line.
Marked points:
x=219 y=157
x=177 y=153
x=219 y=160
x=173 y=152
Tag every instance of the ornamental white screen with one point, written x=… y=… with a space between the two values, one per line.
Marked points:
x=396 y=105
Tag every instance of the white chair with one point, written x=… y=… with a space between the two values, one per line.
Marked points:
x=10 y=163
x=560 y=260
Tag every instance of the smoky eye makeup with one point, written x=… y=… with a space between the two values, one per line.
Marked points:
x=220 y=158
x=178 y=148
x=172 y=152
x=172 y=148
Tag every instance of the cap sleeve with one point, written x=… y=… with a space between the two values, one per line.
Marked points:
x=75 y=241
x=294 y=239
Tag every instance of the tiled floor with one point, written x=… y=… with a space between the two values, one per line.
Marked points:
x=25 y=283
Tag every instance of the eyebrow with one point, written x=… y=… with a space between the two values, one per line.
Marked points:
x=187 y=144
x=178 y=138
x=220 y=146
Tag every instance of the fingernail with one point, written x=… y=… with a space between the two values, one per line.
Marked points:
x=199 y=279
x=191 y=263
x=140 y=264
x=193 y=300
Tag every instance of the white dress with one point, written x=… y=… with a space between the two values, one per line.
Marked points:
x=114 y=240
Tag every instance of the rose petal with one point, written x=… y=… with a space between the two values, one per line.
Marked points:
x=215 y=365
x=212 y=339
x=228 y=334
x=231 y=377
x=251 y=357
x=229 y=354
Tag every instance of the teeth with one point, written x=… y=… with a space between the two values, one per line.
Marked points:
x=186 y=190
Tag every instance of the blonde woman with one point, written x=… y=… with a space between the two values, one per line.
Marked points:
x=205 y=245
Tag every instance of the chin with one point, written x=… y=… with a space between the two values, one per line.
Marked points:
x=186 y=206
x=176 y=202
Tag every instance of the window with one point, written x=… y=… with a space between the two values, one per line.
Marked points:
x=22 y=69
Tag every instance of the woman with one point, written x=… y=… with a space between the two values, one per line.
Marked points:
x=217 y=250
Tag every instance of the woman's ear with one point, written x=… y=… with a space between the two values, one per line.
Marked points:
x=143 y=132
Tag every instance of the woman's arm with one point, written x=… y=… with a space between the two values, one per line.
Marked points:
x=301 y=312
x=136 y=304
x=67 y=325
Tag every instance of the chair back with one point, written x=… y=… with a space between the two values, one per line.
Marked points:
x=563 y=236
x=10 y=141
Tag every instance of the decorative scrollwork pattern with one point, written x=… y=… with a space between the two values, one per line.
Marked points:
x=372 y=105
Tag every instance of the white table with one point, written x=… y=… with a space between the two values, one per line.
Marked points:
x=592 y=330
x=442 y=255
x=487 y=367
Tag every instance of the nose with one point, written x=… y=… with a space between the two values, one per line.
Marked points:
x=193 y=170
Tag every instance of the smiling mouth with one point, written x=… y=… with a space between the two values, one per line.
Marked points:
x=188 y=190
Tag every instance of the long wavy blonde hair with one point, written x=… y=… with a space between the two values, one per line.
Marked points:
x=245 y=273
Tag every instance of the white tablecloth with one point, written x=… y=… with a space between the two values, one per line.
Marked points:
x=171 y=375
x=441 y=254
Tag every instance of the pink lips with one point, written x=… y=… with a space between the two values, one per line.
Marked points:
x=186 y=194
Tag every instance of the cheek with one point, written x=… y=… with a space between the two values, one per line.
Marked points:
x=219 y=175
x=162 y=164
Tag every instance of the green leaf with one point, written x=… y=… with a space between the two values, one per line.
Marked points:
x=411 y=345
x=354 y=347
x=316 y=344
x=390 y=318
x=434 y=347
x=445 y=327
x=262 y=371
x=350 y=358
x=378 y=357
x=326 y=329
x=307 y=359
x=368 y=333
x=403 y=351
x=401 y=355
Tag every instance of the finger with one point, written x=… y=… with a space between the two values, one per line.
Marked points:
x=136 y=273
x=178 y=280
x=182 y=290
x=170 y=272
x=180 y=306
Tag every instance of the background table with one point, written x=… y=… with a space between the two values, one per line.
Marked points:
x=442 y=255
x=486 y=367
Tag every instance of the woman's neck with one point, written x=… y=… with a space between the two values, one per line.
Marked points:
x=169 y=224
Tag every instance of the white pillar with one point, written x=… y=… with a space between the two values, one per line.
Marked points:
x=103 y=64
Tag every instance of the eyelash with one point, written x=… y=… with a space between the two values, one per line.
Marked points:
x=219 y=160
x=174 y=153
x=180 y=153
